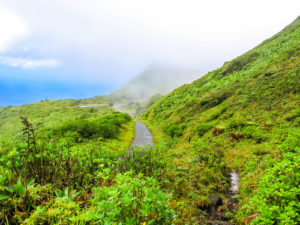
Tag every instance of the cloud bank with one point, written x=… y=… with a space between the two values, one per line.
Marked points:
x=12 y=28
x=26 y=63
x=118 y=38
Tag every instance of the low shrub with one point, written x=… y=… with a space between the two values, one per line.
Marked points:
x=278 y=195
x=217 y=114
x=292 y=143
x=131 y=200
x=277 y=199
x=254 y=133
x=239 y=63
x=145 y=160
x=202 y=128
x=175 y=130
x=106 y=126
x=18 y=200
x=236 y=122
x=61 y=210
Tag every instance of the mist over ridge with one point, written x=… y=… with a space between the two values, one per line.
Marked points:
x=155 y=79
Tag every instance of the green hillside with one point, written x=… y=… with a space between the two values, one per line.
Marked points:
x=43 y=114
x=64 y=164
x=244 y=116
x=49 y=116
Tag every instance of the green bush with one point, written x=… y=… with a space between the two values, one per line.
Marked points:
x=254 y=133
x=292 y=143
x=202 y=128
x=61 y=210
x=60 y=161
x=175 y=130
x=277 y=199
x=106 y=126
x=217 y=114
x=239 y=63
x=235 y=123
x=18 y=200
x=278 y=195
x=145 y=160
x=131 y=200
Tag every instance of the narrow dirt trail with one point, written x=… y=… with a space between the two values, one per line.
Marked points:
x=142 y=135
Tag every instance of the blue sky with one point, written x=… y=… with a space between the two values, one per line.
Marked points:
x=19 y=86
x=82 y=48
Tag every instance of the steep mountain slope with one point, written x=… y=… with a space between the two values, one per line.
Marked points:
x=154 y=80
x=243 y=116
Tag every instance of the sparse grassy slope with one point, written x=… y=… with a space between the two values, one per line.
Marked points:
x=235 y=117
x=55 y=115
x=45 y=114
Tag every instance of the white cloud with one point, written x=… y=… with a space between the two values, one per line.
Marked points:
x=12 y=28
x=26 y=63
x=117 y=36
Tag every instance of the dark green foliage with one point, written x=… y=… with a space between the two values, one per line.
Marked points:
x=253 y=133
x=215 y=99
x=105 y=127
x=239 y=63
x=217 y=114
x=145 y=160
x=292 y=143
x=175 y=130
x=277 y=199
x=202 y=128
x=141 y=196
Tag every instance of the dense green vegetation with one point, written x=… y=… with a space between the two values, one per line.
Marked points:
x=243 y=116
x=61 y=164
x=70 y=168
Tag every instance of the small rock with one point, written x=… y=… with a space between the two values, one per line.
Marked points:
x=234 y=200
x=230 y=207
x=215 y=201
x=232 y=204
x=216 y=216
